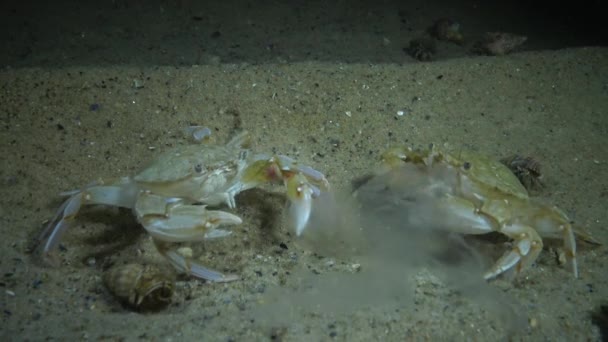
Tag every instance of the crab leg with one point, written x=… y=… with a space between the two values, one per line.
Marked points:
x=170 y=220
x=551 y=222
x=58 y=225
x=186 y=265
x=463 y=217
x=121 y=195
x=527 y=246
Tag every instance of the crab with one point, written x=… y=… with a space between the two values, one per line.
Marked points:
x=170 y=198
x=480 y=195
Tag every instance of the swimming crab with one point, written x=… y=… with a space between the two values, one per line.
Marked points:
x=479 y=195
x=170 y=197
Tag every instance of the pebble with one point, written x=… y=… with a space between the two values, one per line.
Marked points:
x=91 y=261
x=138 y=84
x=186 y=252
x=36 y=284
x=533 y=322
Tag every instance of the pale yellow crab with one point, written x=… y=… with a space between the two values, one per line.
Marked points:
x=170 y=197
x=480 y=195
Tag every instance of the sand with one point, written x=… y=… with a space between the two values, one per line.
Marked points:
x=68 y=124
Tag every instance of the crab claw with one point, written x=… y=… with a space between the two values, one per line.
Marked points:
x=184 y=223
x=313 y=177
x=302 y=183
x=300 y=194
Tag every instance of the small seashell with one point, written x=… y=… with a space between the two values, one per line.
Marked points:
x=142 y=287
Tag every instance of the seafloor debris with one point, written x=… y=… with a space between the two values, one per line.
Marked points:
x=498 y=43
x=600 y=318
x=526 y=169
x=141 y=287
x=448 y=30
x=423 y=49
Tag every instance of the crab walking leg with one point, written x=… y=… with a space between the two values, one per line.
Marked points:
x=526 y=249
x=186 y=265
x=463 y=217
x=60 y=223
x=121 y=195
x=551 y=222
x=570 y=247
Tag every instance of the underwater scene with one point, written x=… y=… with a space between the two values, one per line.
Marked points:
x=183 y=170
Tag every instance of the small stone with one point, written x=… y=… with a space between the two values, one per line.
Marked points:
x=186 y=252
x=533 y=322
x=561 y=257
x=138 y=84
x=91 y=261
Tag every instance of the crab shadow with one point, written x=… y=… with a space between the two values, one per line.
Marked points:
x=97 y=232
x=119 y=230
x=263 y=211
x=101 y=233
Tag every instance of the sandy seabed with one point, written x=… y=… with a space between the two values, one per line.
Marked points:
x=63 y=128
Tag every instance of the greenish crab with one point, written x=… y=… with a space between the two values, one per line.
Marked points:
x=481 y=195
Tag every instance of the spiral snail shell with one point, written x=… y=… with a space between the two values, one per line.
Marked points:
x=142 y=287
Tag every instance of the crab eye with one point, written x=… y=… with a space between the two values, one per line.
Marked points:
x=198 y=168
